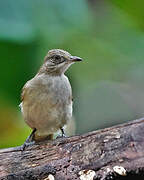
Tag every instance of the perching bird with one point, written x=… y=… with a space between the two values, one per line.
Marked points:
x=47 y=98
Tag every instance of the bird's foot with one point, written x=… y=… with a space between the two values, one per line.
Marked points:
x=63 y=134
x=27 y=144
x=29 y=141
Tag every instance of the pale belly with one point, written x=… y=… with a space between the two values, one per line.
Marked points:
x=47 y=120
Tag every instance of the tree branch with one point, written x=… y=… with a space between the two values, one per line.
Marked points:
x=116 y=152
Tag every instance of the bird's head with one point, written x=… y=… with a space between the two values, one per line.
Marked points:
x=57 y=61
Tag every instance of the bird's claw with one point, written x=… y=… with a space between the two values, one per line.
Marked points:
x=27 y=144
x=61 y=136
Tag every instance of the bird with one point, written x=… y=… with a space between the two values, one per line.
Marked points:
x=46 y=99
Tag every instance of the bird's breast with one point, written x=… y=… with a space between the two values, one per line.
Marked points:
x=57 y=89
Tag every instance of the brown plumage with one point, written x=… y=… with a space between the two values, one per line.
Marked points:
x=47 y=98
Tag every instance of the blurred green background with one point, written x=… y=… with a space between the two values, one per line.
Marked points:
x=107 y=86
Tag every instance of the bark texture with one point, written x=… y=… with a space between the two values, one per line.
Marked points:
x=112 y=153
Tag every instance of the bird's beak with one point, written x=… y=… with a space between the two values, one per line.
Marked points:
x=75 y=58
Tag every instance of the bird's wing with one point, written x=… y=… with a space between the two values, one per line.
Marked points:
x=23 y=93
x=24 y=90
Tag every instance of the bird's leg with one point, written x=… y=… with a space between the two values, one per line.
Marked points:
x=62 y=131
x=30 y=140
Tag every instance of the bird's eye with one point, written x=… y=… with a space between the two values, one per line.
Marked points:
x=57 y=58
